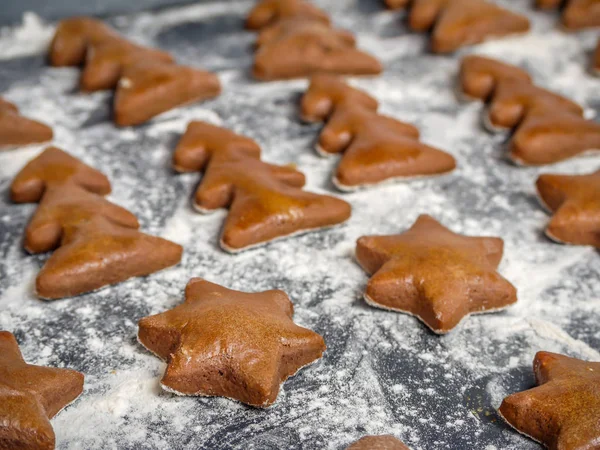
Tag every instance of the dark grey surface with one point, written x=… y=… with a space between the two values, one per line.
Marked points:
x=383 y=372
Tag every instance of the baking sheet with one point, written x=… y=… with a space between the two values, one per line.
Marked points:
x=383 y=372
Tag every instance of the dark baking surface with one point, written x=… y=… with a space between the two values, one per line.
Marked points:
x=383 y=372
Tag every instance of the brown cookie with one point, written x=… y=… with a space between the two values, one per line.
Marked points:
x=72 y=38
x=65 y=206
x=385 y=442
x=30 y=396
x=375 y=148
x=264 y=346
x=148 y=89
x=479 y=76
x=544 y=138
x=563 y=411
x=301 y=48
x=265 y=201
x=576 y=14
x=434 y=274
x=268 y=12
x=106 y=62
x=548 y=127
x=396 y=4
x=325 y=93
x=18 y=131
x=53 y=166
x=575 y=202
x=96 y=253
x=458 y=23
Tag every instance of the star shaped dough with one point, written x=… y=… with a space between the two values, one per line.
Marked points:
x=265 y=201
x=232 y=344
x=30 y=396
x=17 y=130
x=268 y=12
x=575 y=202
x=434 y=274
x=563 y=411
x=576 y=14
x=54 y=166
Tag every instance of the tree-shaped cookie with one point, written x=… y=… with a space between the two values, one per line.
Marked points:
x=457 y=23
x=30 y=396
x=375 y=148
x=434 y=274
x=106 y=62
x=98 y=242
x=232 y=344
x=576 y=14
x=265 y=201
x=297 y=48
x=73 y=37
x=268 y=12
x=563 y=411
x=574 y=201
x=547 y=127
x=17 y=130
x=147 y=89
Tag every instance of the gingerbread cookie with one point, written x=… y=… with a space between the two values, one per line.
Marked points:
x=148 y=89
x=264 y=346
x=434 y=274
x=385 y=442
x=299 y=48
x=375 y=148
x=265 y=201
x=396 y=4
x=576 y=14
x=96 y=253
x=98 y=242
x=458 y=23
x=548 y=127
x=563 y=411
x=54 y=166
x=575 y=202
x=73 y=37
x=18 y=131
x=106 y=62
x=268 y=12
x=30 y=396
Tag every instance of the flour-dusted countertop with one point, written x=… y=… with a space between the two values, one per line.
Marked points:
x=383 y=372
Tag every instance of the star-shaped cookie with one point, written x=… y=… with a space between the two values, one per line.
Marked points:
x=268 y=12
x=458 y=23
x=54 y=166
x=376 y=148
x=17 y=130
x=575 y=203
x=384 y=442
x=576 y=14
x=298 y=48
x=149 y=88
x=435 y=274
x=563 y=411
x=231 y=344
x=30 y=396
x=265 y=201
